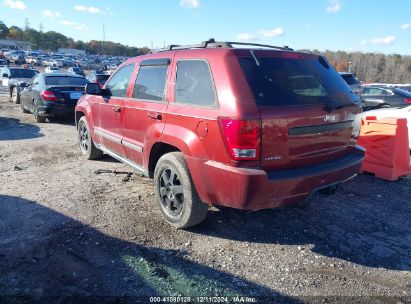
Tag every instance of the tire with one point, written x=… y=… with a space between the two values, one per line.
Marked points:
x=37 y=117
x=86 y=144
x=15 y=96
x=175 y=192
x=23 y=109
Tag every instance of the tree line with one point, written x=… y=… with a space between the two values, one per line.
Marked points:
x=51 y=41
x=372 y=67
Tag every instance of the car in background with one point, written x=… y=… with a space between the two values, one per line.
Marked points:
x=17 y=59
x=395 y=112
x=13 y=78
x=53 y=63
x=383 y=96
x=76 y=70
x=405 y=87
x=52 y=69
x=52 y=95
x=36 y=60
x=98 y=76
x=352 y=81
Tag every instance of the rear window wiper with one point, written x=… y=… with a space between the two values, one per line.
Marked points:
x=257 y=62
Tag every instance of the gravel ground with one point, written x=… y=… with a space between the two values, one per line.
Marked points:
x=67 y=233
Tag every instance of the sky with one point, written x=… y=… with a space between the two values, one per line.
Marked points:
x=349 y=25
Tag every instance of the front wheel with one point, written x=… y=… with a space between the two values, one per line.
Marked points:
x=175 y=192
x=15 y=96
x=87 y=147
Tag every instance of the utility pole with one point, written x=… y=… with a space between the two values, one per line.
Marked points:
x=40 y=40
x=104 y=37
x=26 y=24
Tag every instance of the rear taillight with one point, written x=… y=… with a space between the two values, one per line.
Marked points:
x=242 y=138
x=408 y=100
x=48 y=95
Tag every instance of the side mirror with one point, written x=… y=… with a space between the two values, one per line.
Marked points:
x=93 y=89
x=23 y=85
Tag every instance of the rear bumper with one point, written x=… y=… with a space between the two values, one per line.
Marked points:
x=253 y=189
x=55 y=109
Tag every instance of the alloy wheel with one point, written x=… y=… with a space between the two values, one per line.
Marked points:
x=84 y=138
x=171 y=192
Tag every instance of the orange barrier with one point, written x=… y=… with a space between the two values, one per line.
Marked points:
x=386 y=142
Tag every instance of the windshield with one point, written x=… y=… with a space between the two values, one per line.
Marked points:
x=294 y=81
x=66 y=80
x=22 y=73
x=76 y=70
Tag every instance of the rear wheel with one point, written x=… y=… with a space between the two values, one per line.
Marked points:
x=87 y=147
x=23 y=109
x=175 y=192
x=37 y=117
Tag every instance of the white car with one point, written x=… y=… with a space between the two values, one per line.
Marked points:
x=52 y=69
x=395 y=113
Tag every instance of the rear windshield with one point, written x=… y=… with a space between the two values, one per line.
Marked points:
x=66 y=80
x=22 y=73
x=402 y=92
x=102 y=78
x=294 y=81
x=350 y=79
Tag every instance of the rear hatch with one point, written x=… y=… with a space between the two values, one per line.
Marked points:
x=68 y=94
x=67 y=89
x=307 y=110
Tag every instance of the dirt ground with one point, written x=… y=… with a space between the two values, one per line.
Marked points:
x=70 y=234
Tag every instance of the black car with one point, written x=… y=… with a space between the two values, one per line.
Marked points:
x=380 y=96
x=52 y=94
x=352 y=82
x=13 y=77
x=98 y=76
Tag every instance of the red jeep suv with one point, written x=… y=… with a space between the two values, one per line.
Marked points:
x=249 y=127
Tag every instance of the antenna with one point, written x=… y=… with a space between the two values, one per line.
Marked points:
x=41 y=28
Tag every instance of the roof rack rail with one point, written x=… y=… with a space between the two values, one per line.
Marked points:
x=211 y=43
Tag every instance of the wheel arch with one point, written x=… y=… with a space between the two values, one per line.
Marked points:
x=156 y=152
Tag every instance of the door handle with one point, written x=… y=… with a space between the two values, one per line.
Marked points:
x=156 y=116
x=117 y=109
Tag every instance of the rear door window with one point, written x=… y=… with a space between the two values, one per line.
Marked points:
x=294 y=81
x=373 y=92
x=119 y=82
x=194 y=84
x=150 y=83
